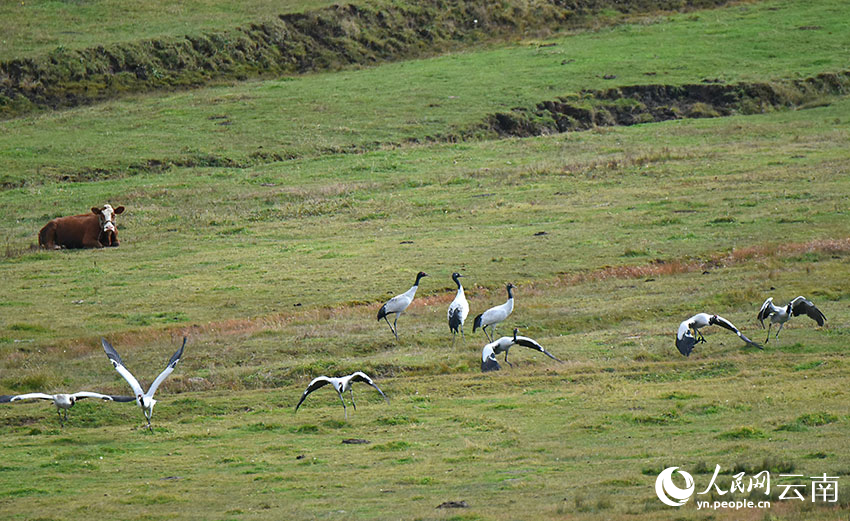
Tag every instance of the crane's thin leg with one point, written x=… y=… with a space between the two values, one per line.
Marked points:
x=351 y=393
x=59 y=413
x=391 y=327
x=148 y=414
x=506 y=359
x=769 y=325
x=344 y=408
x=395 y=327
x=461 y=334
x=780 y=329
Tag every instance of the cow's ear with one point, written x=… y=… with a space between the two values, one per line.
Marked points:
x=119 y=209
x=95 y=210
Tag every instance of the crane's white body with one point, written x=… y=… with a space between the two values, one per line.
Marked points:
x=495 y=315
x=458 y=310
x=399 y=304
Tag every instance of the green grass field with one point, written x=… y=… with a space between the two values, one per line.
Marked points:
x=269 y=220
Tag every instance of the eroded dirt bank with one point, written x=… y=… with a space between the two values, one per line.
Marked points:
x=652 y=103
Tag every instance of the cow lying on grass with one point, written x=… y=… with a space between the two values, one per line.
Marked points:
x=89 y=230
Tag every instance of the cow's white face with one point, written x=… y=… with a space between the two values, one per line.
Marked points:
x=106 y=216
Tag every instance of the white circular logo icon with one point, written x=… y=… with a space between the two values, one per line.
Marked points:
x=669 y=493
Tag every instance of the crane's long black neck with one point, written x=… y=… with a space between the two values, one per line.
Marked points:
x=510 y=292
x=419 y=277
x=456 y=278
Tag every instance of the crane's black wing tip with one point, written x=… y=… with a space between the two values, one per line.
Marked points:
x=382 y=393
x=476 y=323
x=177 y=355
x=553 y=357
x=816 y=315
x=110 y=351
x=490 y=365
x=686 y=345
x=316 y=383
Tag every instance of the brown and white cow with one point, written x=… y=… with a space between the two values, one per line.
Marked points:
x=89 y=230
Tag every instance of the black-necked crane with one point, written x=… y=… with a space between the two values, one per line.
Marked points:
x=458 y=310
x=781 y=315
x=494 y=315
x=64 y=401
x=143 y=399
x=685 y=340
x=503 y=344
x=340 y=385
x=398 y=304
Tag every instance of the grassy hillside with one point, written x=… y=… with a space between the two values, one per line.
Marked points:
x=294 y=42
x=350 y=111
x=268 y=221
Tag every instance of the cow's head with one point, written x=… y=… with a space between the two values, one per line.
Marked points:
x=106 y=217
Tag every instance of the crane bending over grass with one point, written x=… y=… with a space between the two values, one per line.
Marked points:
x=685 y=340
x=503 y=344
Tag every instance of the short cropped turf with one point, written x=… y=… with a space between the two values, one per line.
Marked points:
x=340 y=188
